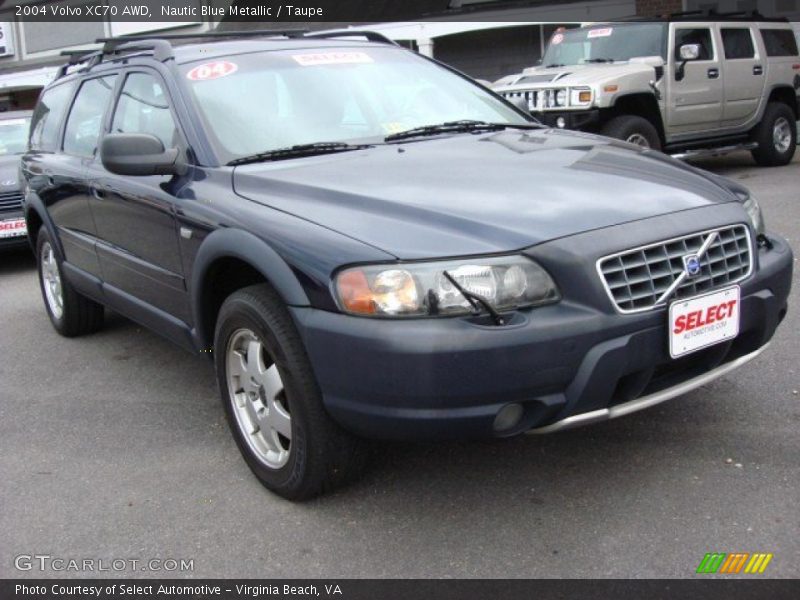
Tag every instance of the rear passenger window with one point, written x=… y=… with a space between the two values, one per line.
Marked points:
x=85 y=120
x=738 y=43
x=143 y=108
x=779 y=42
x=701 y=37
x=46 y=119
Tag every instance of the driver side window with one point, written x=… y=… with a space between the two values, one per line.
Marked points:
x=701 y=37
x=143 y=107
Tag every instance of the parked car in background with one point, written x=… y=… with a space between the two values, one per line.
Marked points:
x=13 y=140
x=370 y=244
x=681 y=85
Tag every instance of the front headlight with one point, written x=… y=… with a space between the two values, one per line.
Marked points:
x=581 y=96
x=561 y=97
x=422 y=289
x=754 y=212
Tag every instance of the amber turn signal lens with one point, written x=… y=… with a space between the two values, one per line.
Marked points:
x=355 y=293
x=611 y=88
x=584 y=96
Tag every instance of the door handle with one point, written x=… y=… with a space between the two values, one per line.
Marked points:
x=713 y=73
x=758 y=70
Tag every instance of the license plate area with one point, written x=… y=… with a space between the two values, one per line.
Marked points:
x=13 y=228
x=702 y=321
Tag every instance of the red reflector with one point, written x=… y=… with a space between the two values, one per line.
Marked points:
x=796 y=67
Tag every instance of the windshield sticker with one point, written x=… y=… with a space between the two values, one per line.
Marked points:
x=332 y=58
x=212 y=70
x=604 y=32
x=557 y=39
x=14 y=122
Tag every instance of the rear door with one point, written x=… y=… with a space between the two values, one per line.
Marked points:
x=744 y=73
x=695 y=101
x=137 y=229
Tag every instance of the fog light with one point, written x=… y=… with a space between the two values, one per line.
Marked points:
x=508 y=417
x=561 y=122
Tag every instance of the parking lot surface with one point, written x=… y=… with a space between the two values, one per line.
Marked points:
x=115 y=446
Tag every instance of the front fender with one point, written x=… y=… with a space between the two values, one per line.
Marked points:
x=239 y=244
x=34 y=205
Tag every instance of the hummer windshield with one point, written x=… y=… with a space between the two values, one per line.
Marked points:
x=606 y=43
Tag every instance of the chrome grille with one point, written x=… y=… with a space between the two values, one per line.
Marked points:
x=531 y=97
x=641 y=279
x=10 y=201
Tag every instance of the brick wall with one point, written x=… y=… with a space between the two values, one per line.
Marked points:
x=647 y=8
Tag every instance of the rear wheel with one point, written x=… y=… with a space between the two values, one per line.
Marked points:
x=776 y=136
x=71 y=313
x=273 y=403
x=634 y=130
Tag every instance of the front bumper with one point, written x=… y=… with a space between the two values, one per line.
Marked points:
x=584 y=120
x=572 y=362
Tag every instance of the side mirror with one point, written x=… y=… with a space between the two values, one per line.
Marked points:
x=690 y=52
x=687 y=52
x=137 y=154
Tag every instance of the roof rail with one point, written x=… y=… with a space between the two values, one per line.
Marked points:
x=709 y=15
x=207 y=34
x=371 y=36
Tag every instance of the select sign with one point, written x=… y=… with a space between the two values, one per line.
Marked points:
x=12 y=228
x=703 y=321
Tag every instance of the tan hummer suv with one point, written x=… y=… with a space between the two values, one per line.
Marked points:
x=683 y=86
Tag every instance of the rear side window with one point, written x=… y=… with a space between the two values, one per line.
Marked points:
x=85 y=120
x=47 y=117
x=143 y=108
x=738 y=43
x=701 y=37
x=779 y=42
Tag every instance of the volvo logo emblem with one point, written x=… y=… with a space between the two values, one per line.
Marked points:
x=8 y=182
x=691 y=265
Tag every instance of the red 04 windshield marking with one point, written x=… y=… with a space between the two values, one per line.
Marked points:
x=212 y=70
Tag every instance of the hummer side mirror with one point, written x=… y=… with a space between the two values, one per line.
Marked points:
x=687 y=52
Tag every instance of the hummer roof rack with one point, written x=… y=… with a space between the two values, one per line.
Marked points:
x=160 y=47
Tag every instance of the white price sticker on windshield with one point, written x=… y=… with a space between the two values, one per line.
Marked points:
x=332 y=58
x=604 y=32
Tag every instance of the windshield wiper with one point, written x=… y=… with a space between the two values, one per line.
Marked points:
x=465 y=126
x=554 y=65
x=476 y=301
x=298 y=151
x=599 y=60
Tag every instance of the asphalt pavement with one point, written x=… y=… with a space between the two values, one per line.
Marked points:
x=115 y=447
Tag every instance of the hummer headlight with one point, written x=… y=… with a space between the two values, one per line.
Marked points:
x=424 y=288
x=754 y=212
x=561 y=97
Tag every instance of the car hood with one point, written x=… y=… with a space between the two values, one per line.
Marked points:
x=474 y=194
x=9 y=173
x=586 y=74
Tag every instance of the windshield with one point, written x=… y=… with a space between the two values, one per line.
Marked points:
x=606 y=43
x=265 y=101
x=13 y=135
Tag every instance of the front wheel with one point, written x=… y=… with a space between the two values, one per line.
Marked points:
x=634 y=130
x=70 y=313
x=776 y=136
x=273 y=403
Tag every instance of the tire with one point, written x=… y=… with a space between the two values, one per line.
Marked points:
x=633 y=129
x=264 y=377
x=776 y=136
x=71 y=313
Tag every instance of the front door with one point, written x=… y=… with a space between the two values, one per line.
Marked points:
x=137 y=230
x=695 y=100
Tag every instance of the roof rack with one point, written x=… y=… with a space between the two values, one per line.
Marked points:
x=159 y=46
x=371 y=36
